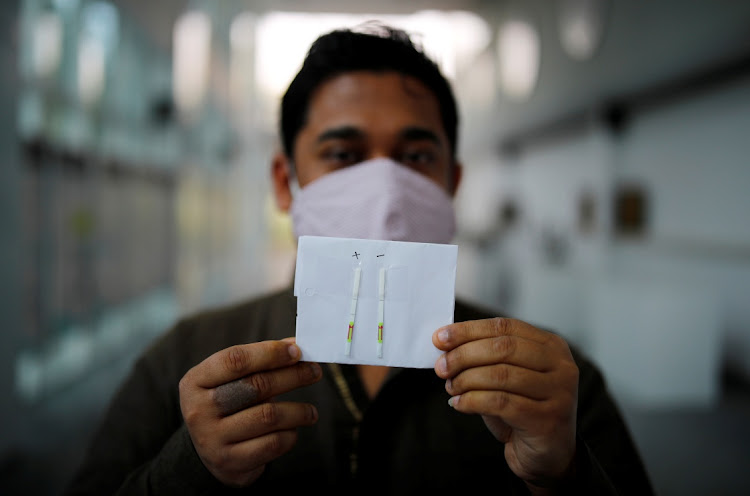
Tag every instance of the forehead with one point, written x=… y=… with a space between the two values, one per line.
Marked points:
x=375 y=102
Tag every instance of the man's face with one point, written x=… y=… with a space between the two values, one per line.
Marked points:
x=363 y=115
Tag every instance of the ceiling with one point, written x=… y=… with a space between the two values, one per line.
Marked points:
x=645 y=44
x=650 y=49
x=157 y=17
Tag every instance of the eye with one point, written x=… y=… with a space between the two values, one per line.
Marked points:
x=421 y=158
x=338 y=157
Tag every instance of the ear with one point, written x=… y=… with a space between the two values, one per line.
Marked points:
x=456 y=174
x=281 y=174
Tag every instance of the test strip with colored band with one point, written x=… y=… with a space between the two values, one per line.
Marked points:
x=381 y=310
x=353 y=310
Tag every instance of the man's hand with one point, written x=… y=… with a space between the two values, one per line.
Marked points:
x=226 y=402
x=524 y=383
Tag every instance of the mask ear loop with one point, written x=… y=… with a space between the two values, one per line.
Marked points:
x=294 y=186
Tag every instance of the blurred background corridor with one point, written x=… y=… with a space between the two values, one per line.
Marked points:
x=606 y=195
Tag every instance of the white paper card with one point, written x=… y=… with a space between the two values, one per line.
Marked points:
x=418 y=298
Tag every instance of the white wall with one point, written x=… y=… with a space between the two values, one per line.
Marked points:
x=692 y=156
x=695 y=158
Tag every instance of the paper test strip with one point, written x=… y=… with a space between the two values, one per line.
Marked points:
x=381 y=310
x=353 y=310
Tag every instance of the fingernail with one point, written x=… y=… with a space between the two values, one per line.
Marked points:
x=314 y=368
x=453 y=401
x=444 y=335
x=448 y=385
x=313 y=413
x=294 y=351
x=442 y=365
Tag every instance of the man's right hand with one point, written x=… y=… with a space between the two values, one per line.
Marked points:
x=227 y=404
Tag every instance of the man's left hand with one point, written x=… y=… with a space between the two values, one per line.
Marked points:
x=524 y=383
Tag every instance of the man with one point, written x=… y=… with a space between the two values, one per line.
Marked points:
x=224 y=403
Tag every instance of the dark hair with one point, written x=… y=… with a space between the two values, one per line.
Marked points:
x=372 y=47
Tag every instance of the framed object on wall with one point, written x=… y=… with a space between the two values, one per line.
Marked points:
x=631 y=210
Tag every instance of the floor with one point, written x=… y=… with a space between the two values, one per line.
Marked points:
x=698 y=452
x=687 y=452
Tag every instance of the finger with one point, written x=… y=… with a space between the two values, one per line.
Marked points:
x=242 y=393
x=266 y=418
x=503 y=377
x=241 y=360
x=516 y=411
x=503 y=349
x=453 y=335
x=247 y=457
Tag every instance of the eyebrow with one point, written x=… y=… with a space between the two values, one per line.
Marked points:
x=411 y=133
x=343 y=132
x=415 y=133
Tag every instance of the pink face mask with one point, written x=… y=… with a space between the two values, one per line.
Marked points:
x=377 y=199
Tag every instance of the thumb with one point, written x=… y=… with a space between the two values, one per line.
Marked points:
x=498 y=428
